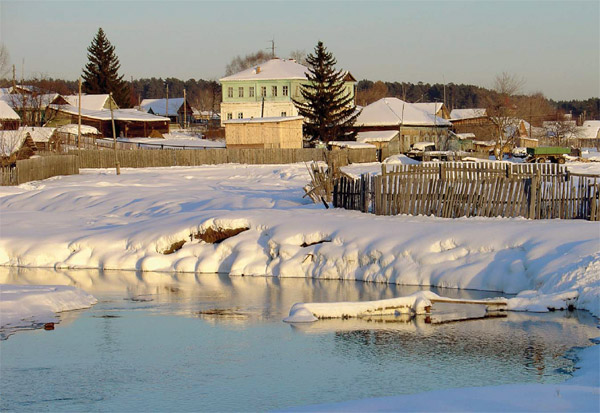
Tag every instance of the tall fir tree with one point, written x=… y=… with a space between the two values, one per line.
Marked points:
x=101 y=73
x=328 y=108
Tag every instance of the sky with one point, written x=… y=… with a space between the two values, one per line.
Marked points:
x=553 y=46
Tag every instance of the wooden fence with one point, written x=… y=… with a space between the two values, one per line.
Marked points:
x=42 y=167
x=158 y=158
x=451 y=190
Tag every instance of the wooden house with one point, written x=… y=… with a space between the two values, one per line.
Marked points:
x=88 y=102
x=16 y=145
x=178 y=110
x=9 y=119
x=45 y=138
x=277 y=132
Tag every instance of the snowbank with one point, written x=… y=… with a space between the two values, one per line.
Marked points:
x=578 y=394
x=153 y=220
x=30 y=305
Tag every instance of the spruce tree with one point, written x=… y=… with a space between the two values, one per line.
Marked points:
x=101 y=73
x=328 y=108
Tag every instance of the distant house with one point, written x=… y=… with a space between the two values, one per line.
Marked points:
x=176 y=109
x=45 y=138
x=266 y=90
x=389 y=139
x=89 y=102
x=16 y=145
x=274 y=132
x=129 y=123
x=437 y=108
x=413 y=124
x=468 y=116
x=9 y=119
x=31 y=107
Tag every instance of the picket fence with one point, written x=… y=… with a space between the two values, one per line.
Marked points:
x=453 y=189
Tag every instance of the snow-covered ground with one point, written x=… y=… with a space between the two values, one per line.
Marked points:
x=28 y=306
x=151 y=220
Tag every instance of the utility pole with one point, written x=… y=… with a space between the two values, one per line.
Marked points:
x=167 y=109
x=112 y=119
x=14 y=79
x=272 y=41
x=79 y=119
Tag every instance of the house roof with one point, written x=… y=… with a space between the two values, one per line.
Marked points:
x=589 y=130
x=37 y=133
x=430 y=107
x=376 y=136
x=394 y=112
x=351 y=144
x=72 y=129
x=159 y=106
x=271 y=70
x=264 y=120
x=119 y=114
x=462 y=114
x=91 y=102
x=16 y=100
x=6 y=112
x=11 y=141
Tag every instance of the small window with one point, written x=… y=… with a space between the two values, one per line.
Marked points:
x=241 y=92
x=251 y=91
x=241 y=115
x=229 y=116
x=285 y=91
x=274 y=90
x=263 y=91
x=283 y=114
x=230 y=92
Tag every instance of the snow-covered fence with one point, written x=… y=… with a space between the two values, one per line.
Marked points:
x=42 y=167
x=451 y=190
x=157 y=158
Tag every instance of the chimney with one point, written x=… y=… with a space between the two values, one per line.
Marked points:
x=257 y=69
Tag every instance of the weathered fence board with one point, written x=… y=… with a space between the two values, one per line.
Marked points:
x=38 y=168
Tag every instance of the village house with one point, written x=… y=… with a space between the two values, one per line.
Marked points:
x=267 y=90
x=45 y=138
x=178 y=110
x=31 y=107
x=411 y=122
x=437 y=108
x=9 y=119
x=89 y=102
x=262 y=133
x=15 y=145
x=129 y=123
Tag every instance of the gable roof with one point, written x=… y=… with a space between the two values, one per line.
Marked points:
x=271 y=70
x=38 y=133
x=11 y=141
x=6 y=112
x=461 y=114
x=159 y=106
x=91 y=102
x=104 y=114
x=377 y=136
x=431 y=107
x=394 y=112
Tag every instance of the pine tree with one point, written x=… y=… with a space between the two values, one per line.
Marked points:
x=328 y=108
x=101 y=73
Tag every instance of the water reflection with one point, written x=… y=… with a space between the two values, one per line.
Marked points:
x=181 y=342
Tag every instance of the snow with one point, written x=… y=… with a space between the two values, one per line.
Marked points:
x=30 y=305
x=352 y=145
x=37 y=133
x=72 y=129
x=396 y=112
x=271 y=70
x=88 y=102
x=175 y=140
x=429 y=107
x=578 y=394
x=462 y=114
x=589 y=130
x=6 y=112
x=11 y=141
x=377 y=136
x=159 y=106
x=99 y=220
x=264 y=120
x=104 y=114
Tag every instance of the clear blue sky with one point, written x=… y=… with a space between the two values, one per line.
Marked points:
x=555 y=46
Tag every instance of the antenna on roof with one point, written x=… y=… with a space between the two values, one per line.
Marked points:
x=272 y=41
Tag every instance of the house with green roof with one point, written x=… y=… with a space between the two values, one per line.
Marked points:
x=266 y=90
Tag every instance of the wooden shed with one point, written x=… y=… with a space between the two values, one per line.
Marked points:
x=262 y=133
x=9 y=119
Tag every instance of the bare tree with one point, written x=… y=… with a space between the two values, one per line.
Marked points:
x=299 y=56
x=374 y=93
x=4 y=61
x=239 y=63
x=561 y=130
x=503 y=111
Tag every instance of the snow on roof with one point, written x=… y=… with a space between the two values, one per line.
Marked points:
x=104 y=114
x=589 y=130
x=467 y=135
x=461 y=114
x=91 y=102
x=394 y=112
x=159 y=106
x=72 y=129
x=376 y=136
x=38 y=101
x=6 y=112
x=37 y=133
x=264 y=120
x=351 y=144
x=11 y=141
x=430 y=107
x=175 y=140
x=271 y=70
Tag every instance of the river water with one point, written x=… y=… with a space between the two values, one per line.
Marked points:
x=209 y=342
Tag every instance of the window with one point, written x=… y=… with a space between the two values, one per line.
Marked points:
x=274 y=90
x=241 y=115
x=230 y=92
x=241 y=92
x=263 y=91
x=285 y=91
x=283 y=114
x=229 y=116
x=251 y=91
